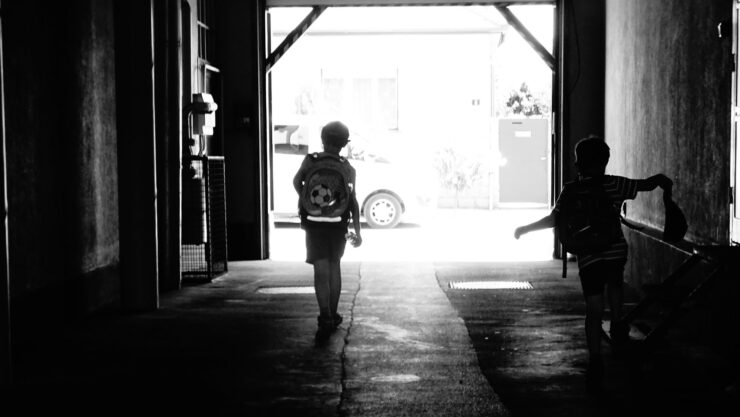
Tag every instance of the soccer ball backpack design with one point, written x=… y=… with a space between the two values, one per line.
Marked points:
x=588 y=222
x=327 y=188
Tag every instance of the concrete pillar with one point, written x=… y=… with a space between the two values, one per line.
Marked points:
x=241 y=43
x=137 y=154
x=168 y=81
x=582 y=49
x=89 y=157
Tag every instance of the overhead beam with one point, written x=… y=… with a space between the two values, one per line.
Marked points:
x=358 y=3
x=527 y=35
x=501 y=5
x=293 y=36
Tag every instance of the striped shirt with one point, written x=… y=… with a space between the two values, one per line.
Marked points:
x=617 y=189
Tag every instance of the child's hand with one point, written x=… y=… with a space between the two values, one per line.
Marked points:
x=354 y=239
x=665 y=182
x=667 y=185
x=518 y=232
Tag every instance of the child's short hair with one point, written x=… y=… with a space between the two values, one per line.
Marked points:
x=592 y=153
x=335 y=133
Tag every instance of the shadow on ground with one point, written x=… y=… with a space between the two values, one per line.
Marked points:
x=531 y=347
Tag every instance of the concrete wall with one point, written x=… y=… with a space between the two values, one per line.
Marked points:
x=61 y=152
x=668 y=83
x=667 y=109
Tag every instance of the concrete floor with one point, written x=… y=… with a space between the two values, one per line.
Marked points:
x=409 y=346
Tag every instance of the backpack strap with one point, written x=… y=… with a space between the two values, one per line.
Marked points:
x=565 y=264
x=563 y=253
x=316 y=156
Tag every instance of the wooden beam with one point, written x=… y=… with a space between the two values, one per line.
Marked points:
x=527 y=35
x=293 y=36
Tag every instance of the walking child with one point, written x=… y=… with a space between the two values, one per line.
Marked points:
x=325 y=183
x=602 y=264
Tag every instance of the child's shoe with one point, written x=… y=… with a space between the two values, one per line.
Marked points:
x=619 y=333
x=337 y=319
x=595 y=376
x=326 y=326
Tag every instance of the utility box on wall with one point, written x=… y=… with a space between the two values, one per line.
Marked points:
x=523 y=172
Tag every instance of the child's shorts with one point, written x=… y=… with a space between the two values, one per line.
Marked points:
x=597 y=275
x=325 y=243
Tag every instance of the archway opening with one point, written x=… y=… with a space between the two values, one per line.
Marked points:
x=450 y=113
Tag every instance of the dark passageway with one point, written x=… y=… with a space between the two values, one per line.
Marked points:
x=405 y=349
x=112 y=113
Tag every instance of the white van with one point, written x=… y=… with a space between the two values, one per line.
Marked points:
x=385 y=193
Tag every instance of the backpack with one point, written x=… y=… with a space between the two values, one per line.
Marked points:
x=675 y=225
x=327 y=188
x=587 y=222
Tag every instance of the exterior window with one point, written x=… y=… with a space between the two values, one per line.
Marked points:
x=290 y=140
x=206 y=41
x=373 y=100
x=333 y=99
x=388 y=102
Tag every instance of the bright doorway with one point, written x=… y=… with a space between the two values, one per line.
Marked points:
x=450 y=113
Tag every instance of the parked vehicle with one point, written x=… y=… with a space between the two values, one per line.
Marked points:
x=385 y=193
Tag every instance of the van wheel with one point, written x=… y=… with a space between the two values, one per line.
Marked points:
x=382 y=211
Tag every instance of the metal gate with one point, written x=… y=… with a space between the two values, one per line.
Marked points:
x=204 y=249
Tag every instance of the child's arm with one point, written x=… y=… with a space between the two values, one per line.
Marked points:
x=543 y=223
x=298 y=178
x=298 y=182
x=357 y=241
x=651 y=183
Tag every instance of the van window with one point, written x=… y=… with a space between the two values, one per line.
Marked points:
x=358 y=149
x=289 y=140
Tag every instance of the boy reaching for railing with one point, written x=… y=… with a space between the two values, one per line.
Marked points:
x=588 y=220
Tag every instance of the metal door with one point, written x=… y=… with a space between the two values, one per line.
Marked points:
x=523 y=145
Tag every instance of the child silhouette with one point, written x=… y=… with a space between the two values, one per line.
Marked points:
x=326 y=238
x=603 y=268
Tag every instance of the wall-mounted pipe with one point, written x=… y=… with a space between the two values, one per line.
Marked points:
x=5 y=352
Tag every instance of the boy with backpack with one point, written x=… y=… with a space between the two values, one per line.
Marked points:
x=325 y=183
x=589 y=225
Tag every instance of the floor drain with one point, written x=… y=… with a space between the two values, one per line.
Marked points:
x=490 y=285
x=285 y=290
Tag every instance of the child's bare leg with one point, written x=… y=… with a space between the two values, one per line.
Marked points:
x=614 y=291
x=321 y=284
x=335 y=286
x=594 y=313
x=618 y=331
x=595 y=370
